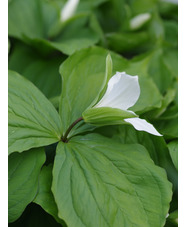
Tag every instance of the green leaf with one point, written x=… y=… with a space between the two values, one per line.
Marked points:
x=33 y=120
x=160 y=70
x=83 y=74
x=23 y=23
x=173 y=149
x=44 y=74
x=76 y=35
x=95 y=25
x=21 y=56
x=139 y=66
x=167 y=99
x=23 y=174
x=85 y=5
x=142 y=6
x=170 y=60
x=125 y=42
x=155 y=145
x=44 y=196
x=42 y=71
x=106 y=116
x=167 y=123
x=171 y=32
x=41 y=17
x=118 y=184
x=150 y=97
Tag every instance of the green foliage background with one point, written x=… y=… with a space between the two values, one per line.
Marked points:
x=105 y=175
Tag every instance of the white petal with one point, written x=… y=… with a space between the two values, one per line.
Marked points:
x=69 y=9
x=122 y=92
x=137 y=21
x=142 y=125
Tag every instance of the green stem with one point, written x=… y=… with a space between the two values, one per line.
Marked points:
x=64 y=138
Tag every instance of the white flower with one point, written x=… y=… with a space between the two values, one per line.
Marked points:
x=139 y=20
x=123 y=92
x=69 y=9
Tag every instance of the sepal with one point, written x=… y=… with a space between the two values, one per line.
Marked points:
x=106 y=116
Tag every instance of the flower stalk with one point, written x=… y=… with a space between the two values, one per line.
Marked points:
x=65 y=137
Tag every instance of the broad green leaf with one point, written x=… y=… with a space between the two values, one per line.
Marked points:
x=168 y=128
x=173 y=149
x=33 y=120
x=155 y=145
x=78 y=40
x=85 y=5
x=160 y=70
x=50 y=13
x=106 y=116
x=75 y=34
x=23 y=175
x=168 y=10
x=167 y=123
x=154 y=64
x=44 y=196
x=114 y=17
x=21 y=56
x=83 y=76
x=42 y=71
x=150 y=97
x=156 y=29
x=95 y=25
x=125 y=42
x=142 y=6
x=69 y=41
x=44 y=74
x=41 y=17
x=98 y=182
x=171 y=32
x=170 y=59
x=167 y=99
x=27 y=22
x=160 y=65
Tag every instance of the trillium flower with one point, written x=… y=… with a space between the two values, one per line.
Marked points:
x=122 y=93
x=69 y=9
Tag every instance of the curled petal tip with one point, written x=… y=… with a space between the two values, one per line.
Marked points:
x=142 y=125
